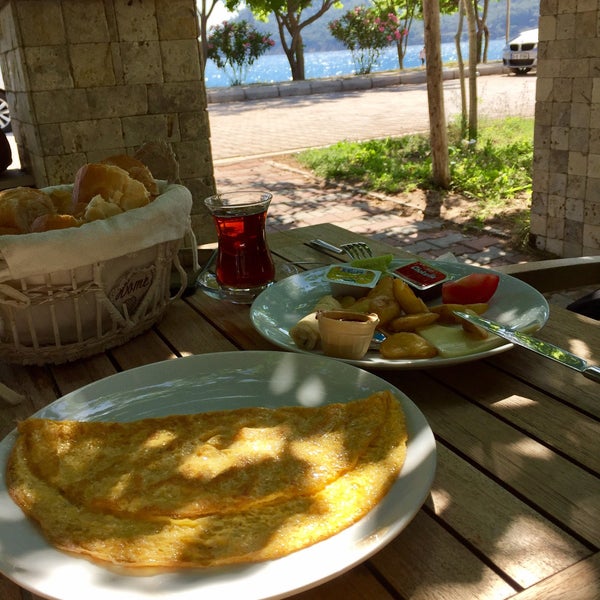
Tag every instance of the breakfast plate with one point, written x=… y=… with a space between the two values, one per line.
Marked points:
x=213 y=382
x=278 y=308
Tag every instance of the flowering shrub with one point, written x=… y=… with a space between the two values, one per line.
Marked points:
x=366 y=32
x=234 y=46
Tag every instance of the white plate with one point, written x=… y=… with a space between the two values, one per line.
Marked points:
x=210 y=382
x=276 y=310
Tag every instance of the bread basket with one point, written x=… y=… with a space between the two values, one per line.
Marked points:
x=72 y=293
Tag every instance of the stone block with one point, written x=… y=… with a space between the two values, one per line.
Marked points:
x=51 y=140
x=591 y=214
x=356 y=83
x=576 y=185
x=294 y=88
x=45 y=25
x=86 y=21
x=580 y=116
x=561 y=114
x=9 y=38
x=117 y=101
x=591 y=239
x=324 y=86
x=141 y=62
x=60 y=105
x=48 y=67
x=176 y=97
x=578 y=164
x=226 y=94
x=559 y=138
x=194 y=157
x=194 y=125
x=91 y=65
x=85 y=136
x=145 y=128
x=261 y=92
x=62 y=168
x=574 y=209
x=573 y=232
x=177 y=19
x=136 y=20
x=593 y=165
x=578 y=139
x=556 y=206
x=180 y=60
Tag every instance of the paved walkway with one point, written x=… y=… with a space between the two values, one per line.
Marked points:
x=248 y=137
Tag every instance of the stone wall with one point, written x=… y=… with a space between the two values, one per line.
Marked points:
x=90 y=78
x=565 y=218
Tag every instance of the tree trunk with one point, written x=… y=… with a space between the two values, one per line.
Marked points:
x=435 y=95
x=461 y=73
x=472 y=26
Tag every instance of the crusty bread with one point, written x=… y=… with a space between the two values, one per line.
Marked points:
x=50 y=222
x=20 y=206
x=112 y=183
x=136 y=169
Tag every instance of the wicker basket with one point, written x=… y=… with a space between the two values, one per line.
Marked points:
x=71 y=293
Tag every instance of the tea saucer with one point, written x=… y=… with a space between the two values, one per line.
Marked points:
x=208 y=283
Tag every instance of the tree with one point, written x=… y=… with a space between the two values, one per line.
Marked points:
x=435 y=95
x=289 y=17
x=234 y=46
x=365 y=32
x=406 y=12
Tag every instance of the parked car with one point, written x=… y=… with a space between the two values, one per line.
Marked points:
x=520 y=54
x=4 y=112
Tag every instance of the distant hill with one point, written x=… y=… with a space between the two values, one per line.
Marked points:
x=524 y=14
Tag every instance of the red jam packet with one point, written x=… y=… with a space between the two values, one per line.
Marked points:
x=423 y=278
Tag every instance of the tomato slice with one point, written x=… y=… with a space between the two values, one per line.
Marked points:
x=473 y=288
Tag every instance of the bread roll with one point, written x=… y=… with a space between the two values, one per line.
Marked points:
x=50 y=222
x=136 y=169
x=112 y=183
x=20 y=206
x=99 y=208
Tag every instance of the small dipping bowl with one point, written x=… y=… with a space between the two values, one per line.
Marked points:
x=346 y=334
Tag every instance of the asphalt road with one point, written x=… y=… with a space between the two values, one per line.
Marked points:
x=258 y=128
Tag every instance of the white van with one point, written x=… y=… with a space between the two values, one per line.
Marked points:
x=520 y=54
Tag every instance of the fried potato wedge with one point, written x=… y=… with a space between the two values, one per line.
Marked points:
x=406 y=345
x=446 y=311
x=412 y=322
x=409 y=302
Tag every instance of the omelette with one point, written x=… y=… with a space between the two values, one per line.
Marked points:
x=216 y=488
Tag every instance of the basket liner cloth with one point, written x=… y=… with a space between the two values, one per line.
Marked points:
x=164 y=219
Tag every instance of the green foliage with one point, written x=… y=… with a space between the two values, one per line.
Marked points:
x=366 y=32
x=491 y=172
x=234 y=46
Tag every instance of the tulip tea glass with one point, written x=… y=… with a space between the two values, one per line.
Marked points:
x=244 y=266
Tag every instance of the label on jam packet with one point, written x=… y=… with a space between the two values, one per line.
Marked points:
x=420 y=275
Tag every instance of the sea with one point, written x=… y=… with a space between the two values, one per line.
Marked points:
x=274 y=68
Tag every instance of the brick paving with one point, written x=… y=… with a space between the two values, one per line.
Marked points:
x=247 y=138
x=300 y=199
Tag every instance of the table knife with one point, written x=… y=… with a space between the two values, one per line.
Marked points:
x=564 y=357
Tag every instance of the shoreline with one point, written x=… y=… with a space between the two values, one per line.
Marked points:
x=329 y=85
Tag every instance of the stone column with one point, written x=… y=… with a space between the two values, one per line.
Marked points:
x=90 y=78
x=565 y=214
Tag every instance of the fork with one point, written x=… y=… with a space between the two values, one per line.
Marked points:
x=357 y=250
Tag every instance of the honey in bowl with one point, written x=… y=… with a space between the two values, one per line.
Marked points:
x=346 y=334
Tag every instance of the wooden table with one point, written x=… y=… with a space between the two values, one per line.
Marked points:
x=514 y=511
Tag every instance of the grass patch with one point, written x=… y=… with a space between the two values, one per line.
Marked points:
x=492 y=172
